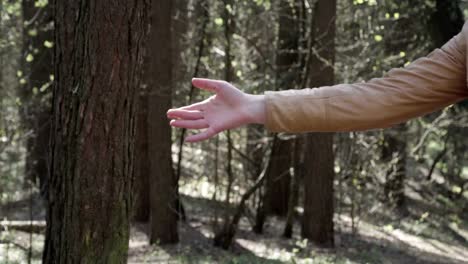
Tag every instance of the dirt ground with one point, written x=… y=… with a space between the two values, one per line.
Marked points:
x=429 y=233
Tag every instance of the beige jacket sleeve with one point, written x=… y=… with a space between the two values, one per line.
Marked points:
x=426 y=85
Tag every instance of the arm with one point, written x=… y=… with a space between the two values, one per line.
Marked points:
x=424 y=86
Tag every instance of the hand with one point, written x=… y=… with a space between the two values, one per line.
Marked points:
x=229 y=108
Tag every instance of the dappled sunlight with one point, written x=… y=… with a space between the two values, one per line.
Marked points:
x=413 y=244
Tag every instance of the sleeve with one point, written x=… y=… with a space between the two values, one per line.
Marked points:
x=424 y=86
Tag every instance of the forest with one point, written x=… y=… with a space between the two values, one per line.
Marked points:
x=92 y=172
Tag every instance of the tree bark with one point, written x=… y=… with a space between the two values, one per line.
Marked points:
x=97 y=58
x=317 y=222
x=163 y=183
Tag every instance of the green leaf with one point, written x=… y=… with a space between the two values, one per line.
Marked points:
x=29 y=58
x=32 y=32
x=41 y=3
x=48 y=44
x=219 y=21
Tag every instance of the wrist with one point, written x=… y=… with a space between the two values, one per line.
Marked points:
x=256 y=109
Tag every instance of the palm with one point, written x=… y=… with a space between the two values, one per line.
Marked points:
x=225 y=110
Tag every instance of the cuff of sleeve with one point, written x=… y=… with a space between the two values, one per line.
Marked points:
x=296 y=111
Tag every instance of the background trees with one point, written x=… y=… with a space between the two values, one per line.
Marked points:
x=36 y=93
x=301 y=192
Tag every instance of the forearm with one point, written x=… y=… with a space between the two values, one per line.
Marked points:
x=424 y=86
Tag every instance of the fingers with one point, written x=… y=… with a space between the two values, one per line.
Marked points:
x=184 y=114
x=208 y=84
x=206 y=134
x=193 y=107
x=190 y=124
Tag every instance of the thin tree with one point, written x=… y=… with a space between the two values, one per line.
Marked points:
x=278 y=174
x=317 y=221
x=163 y=183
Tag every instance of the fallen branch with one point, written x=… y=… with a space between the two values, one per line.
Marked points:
x=2 y=241
x=224 y=238
x=25 y=226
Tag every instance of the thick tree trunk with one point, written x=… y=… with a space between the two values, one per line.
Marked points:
x=163 y=183
x=36 y=93
x=98 y=57
x=317 y=222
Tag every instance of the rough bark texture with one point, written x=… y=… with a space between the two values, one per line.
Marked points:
x=317 y=222
x=36 y=93
x=163 y=183
x=97 y=58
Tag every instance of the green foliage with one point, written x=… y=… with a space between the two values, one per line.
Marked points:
x=41 y=3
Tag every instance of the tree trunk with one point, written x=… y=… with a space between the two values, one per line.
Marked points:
x=294 y=188
x=317 y=222
x=98 y=57
x=36 y=94
x=278 y=173
x=278 y=176
x=394 y=154
x=141 y=207
x=394 y=145
x=163 y=183
x=447 y=21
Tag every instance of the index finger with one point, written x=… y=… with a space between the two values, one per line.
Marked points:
x=208 y=84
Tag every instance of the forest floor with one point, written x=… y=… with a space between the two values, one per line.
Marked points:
x=431 y=232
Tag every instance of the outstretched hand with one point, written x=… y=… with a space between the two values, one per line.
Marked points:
x=228 y=108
